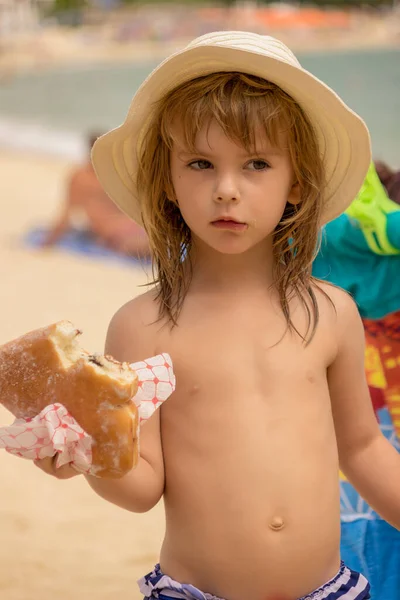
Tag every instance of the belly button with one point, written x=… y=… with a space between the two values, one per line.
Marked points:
x=277 y=523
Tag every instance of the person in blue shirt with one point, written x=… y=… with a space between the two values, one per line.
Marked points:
x=348 y=258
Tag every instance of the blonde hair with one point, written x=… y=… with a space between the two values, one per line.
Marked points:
x=243 y=105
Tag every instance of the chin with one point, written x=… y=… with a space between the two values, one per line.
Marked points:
x=231 y=248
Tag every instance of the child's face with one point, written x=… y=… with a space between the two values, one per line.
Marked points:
x=230 y=199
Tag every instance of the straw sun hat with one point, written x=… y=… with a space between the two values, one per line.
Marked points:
x=342 y=136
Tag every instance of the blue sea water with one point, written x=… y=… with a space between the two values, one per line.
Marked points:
x=53 y=110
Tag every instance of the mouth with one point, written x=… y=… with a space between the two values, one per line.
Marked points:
x=229 y=224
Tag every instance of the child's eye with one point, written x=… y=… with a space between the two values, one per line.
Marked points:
x=200 y=165
x=257 y=165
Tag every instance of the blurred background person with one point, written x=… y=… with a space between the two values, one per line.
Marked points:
x=360 y=252
x=390 y=178
x=88 y=209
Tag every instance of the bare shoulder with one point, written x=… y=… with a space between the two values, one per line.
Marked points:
x=336 y=305
x=75 y=175
x=75 y=181
x=132 y=330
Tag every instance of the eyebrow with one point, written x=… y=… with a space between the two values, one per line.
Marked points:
x=270 y=151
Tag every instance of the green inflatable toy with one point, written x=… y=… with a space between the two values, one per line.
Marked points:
x=370 y=209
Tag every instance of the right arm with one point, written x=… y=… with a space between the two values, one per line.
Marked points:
x=140 y=489
x=130 y=338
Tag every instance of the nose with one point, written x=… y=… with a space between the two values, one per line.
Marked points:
x=226 y=189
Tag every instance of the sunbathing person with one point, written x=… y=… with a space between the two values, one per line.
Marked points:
x=88 y=207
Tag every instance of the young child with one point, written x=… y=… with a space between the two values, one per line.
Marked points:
x=232 y=156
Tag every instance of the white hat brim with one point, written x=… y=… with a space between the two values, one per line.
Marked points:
x=342 y=135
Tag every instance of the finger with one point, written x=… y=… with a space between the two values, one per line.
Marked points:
x=64 y=472
x=48 y=465
x=45 y=464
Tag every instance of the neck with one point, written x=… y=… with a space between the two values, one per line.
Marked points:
x=232 y=272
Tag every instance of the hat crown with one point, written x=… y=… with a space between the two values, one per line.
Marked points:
x=265 y=45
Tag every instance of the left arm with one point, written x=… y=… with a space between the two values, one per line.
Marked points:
x=366 y=457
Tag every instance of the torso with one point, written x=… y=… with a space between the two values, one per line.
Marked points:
x=252 y=488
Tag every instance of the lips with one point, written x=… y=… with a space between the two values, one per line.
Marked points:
x=229 y=224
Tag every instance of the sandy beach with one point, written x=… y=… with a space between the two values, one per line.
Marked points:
x=58 y=539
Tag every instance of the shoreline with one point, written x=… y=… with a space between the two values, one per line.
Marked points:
x=155 y=53
x=123 y=40
x=44 y=130
x=10 y=66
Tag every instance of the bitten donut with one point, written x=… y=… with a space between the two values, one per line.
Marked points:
x=48 y=365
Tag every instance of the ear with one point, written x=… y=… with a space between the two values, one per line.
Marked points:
x=294 y=196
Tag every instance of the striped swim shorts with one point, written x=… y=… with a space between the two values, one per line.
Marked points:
x=346 y=585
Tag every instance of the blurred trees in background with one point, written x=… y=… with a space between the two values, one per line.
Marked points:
x=348 y=3
x=67 y=12
x=71 y=12
x=321 y=3
x=62 y=5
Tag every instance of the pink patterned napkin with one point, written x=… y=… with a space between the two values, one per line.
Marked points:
x=54 y=430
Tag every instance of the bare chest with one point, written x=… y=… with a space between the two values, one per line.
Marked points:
x=224 y=361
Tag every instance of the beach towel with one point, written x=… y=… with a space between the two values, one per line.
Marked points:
x=80 y=242
x=369 y=544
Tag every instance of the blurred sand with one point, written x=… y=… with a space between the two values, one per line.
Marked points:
x=58 y=539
